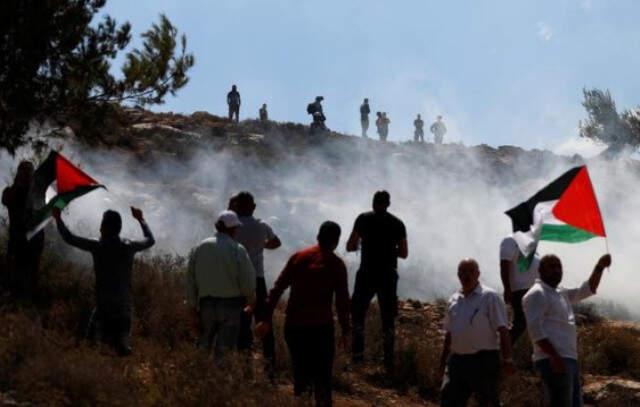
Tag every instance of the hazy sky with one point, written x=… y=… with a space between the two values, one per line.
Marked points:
x=501 y=72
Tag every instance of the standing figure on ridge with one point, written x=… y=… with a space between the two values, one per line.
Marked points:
x=385 y=126
x=317 y=114
x=264 y=115
x=364 y=117
x=233 y=101
x=384 y=240
x=418 y=134
x=379 y=125
x=439 y=130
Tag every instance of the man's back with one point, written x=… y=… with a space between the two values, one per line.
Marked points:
x=220 y=267
x=380 y=234
x=253 y=235
x=233 y=97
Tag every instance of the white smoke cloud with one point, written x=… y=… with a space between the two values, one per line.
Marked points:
x=545 y=31
x=452 y=200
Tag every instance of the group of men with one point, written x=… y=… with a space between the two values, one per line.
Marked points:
x=478 y=341
x=226 y=290
x=438 y=128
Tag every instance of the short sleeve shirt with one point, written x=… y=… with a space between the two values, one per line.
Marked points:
x=252 y=235
x=519 y=279
x=380 y=234
x=473 y=320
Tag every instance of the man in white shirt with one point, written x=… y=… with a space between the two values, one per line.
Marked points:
x=518 y=275
x=552 y=328
x=476 y=336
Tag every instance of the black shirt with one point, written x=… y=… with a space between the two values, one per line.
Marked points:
x=380 y=234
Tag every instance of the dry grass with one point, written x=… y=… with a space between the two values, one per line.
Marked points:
x=45 y=361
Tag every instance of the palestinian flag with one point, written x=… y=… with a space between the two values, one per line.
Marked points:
x=566 y=210
x=70 y=183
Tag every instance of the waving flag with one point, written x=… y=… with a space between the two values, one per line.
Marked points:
x=70 y=183
x=566 y=210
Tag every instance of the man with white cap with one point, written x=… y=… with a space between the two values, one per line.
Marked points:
x=220 y=280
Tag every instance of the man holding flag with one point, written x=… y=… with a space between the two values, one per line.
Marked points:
x=552 y=328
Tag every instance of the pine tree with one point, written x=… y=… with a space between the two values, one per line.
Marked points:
x=55 y=65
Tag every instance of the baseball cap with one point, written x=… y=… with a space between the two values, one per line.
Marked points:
x=229 y=219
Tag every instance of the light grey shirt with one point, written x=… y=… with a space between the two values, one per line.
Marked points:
x=219 y=267
x=253 y=234
x=473 y=321
x=549 y=314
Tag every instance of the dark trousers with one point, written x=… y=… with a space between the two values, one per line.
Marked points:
x=384 y=286
x=245 y=339
x=23 y=264
x=418 y=135
x=561 y=390
x=234 y=110
x=112 y=327
x=477 y=374
x=519 y=321
x=312 y=349
x=365 y=126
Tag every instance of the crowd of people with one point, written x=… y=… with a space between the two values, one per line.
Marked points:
x=318 y=119
x=226 y=292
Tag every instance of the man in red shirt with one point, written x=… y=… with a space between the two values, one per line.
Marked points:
x=314 y=274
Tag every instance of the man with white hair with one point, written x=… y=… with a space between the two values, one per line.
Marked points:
x=477 y=345
x=220 y=280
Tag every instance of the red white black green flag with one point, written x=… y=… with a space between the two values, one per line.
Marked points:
x=70 y=183
x=566 y=210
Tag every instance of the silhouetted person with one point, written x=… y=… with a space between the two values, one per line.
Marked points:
x=384 y=239
x=518 y=275
x=418 y=134
x=220 y=281
x=364 y=116
x=255 y=235
x=112 y=264
x=385 y=126
x=23 y=256
x=316 y=275
x=439 y=130
x=552 y=329
x=477 y=346
x=379 y=125
x=317 y=114
x=233 y=101
x=264 y=115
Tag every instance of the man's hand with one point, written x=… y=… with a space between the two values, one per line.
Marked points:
x=248 y=309
x=604 y=262
x=262 y=329
x=507 y=297
x=56 y=213
x=137 y=214
x=557 y=365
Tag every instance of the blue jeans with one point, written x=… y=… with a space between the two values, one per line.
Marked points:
x=561 y=390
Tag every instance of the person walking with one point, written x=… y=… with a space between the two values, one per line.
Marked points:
x=518 y=274
x=364 y=117
x=477 y=346
x=220 y=281
x=112 y=264
x=256 y=236
x=384 y=240
x=316 y=275
x=233 y=101
x=552 y=327
x=418 y=134
x=438 y=129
